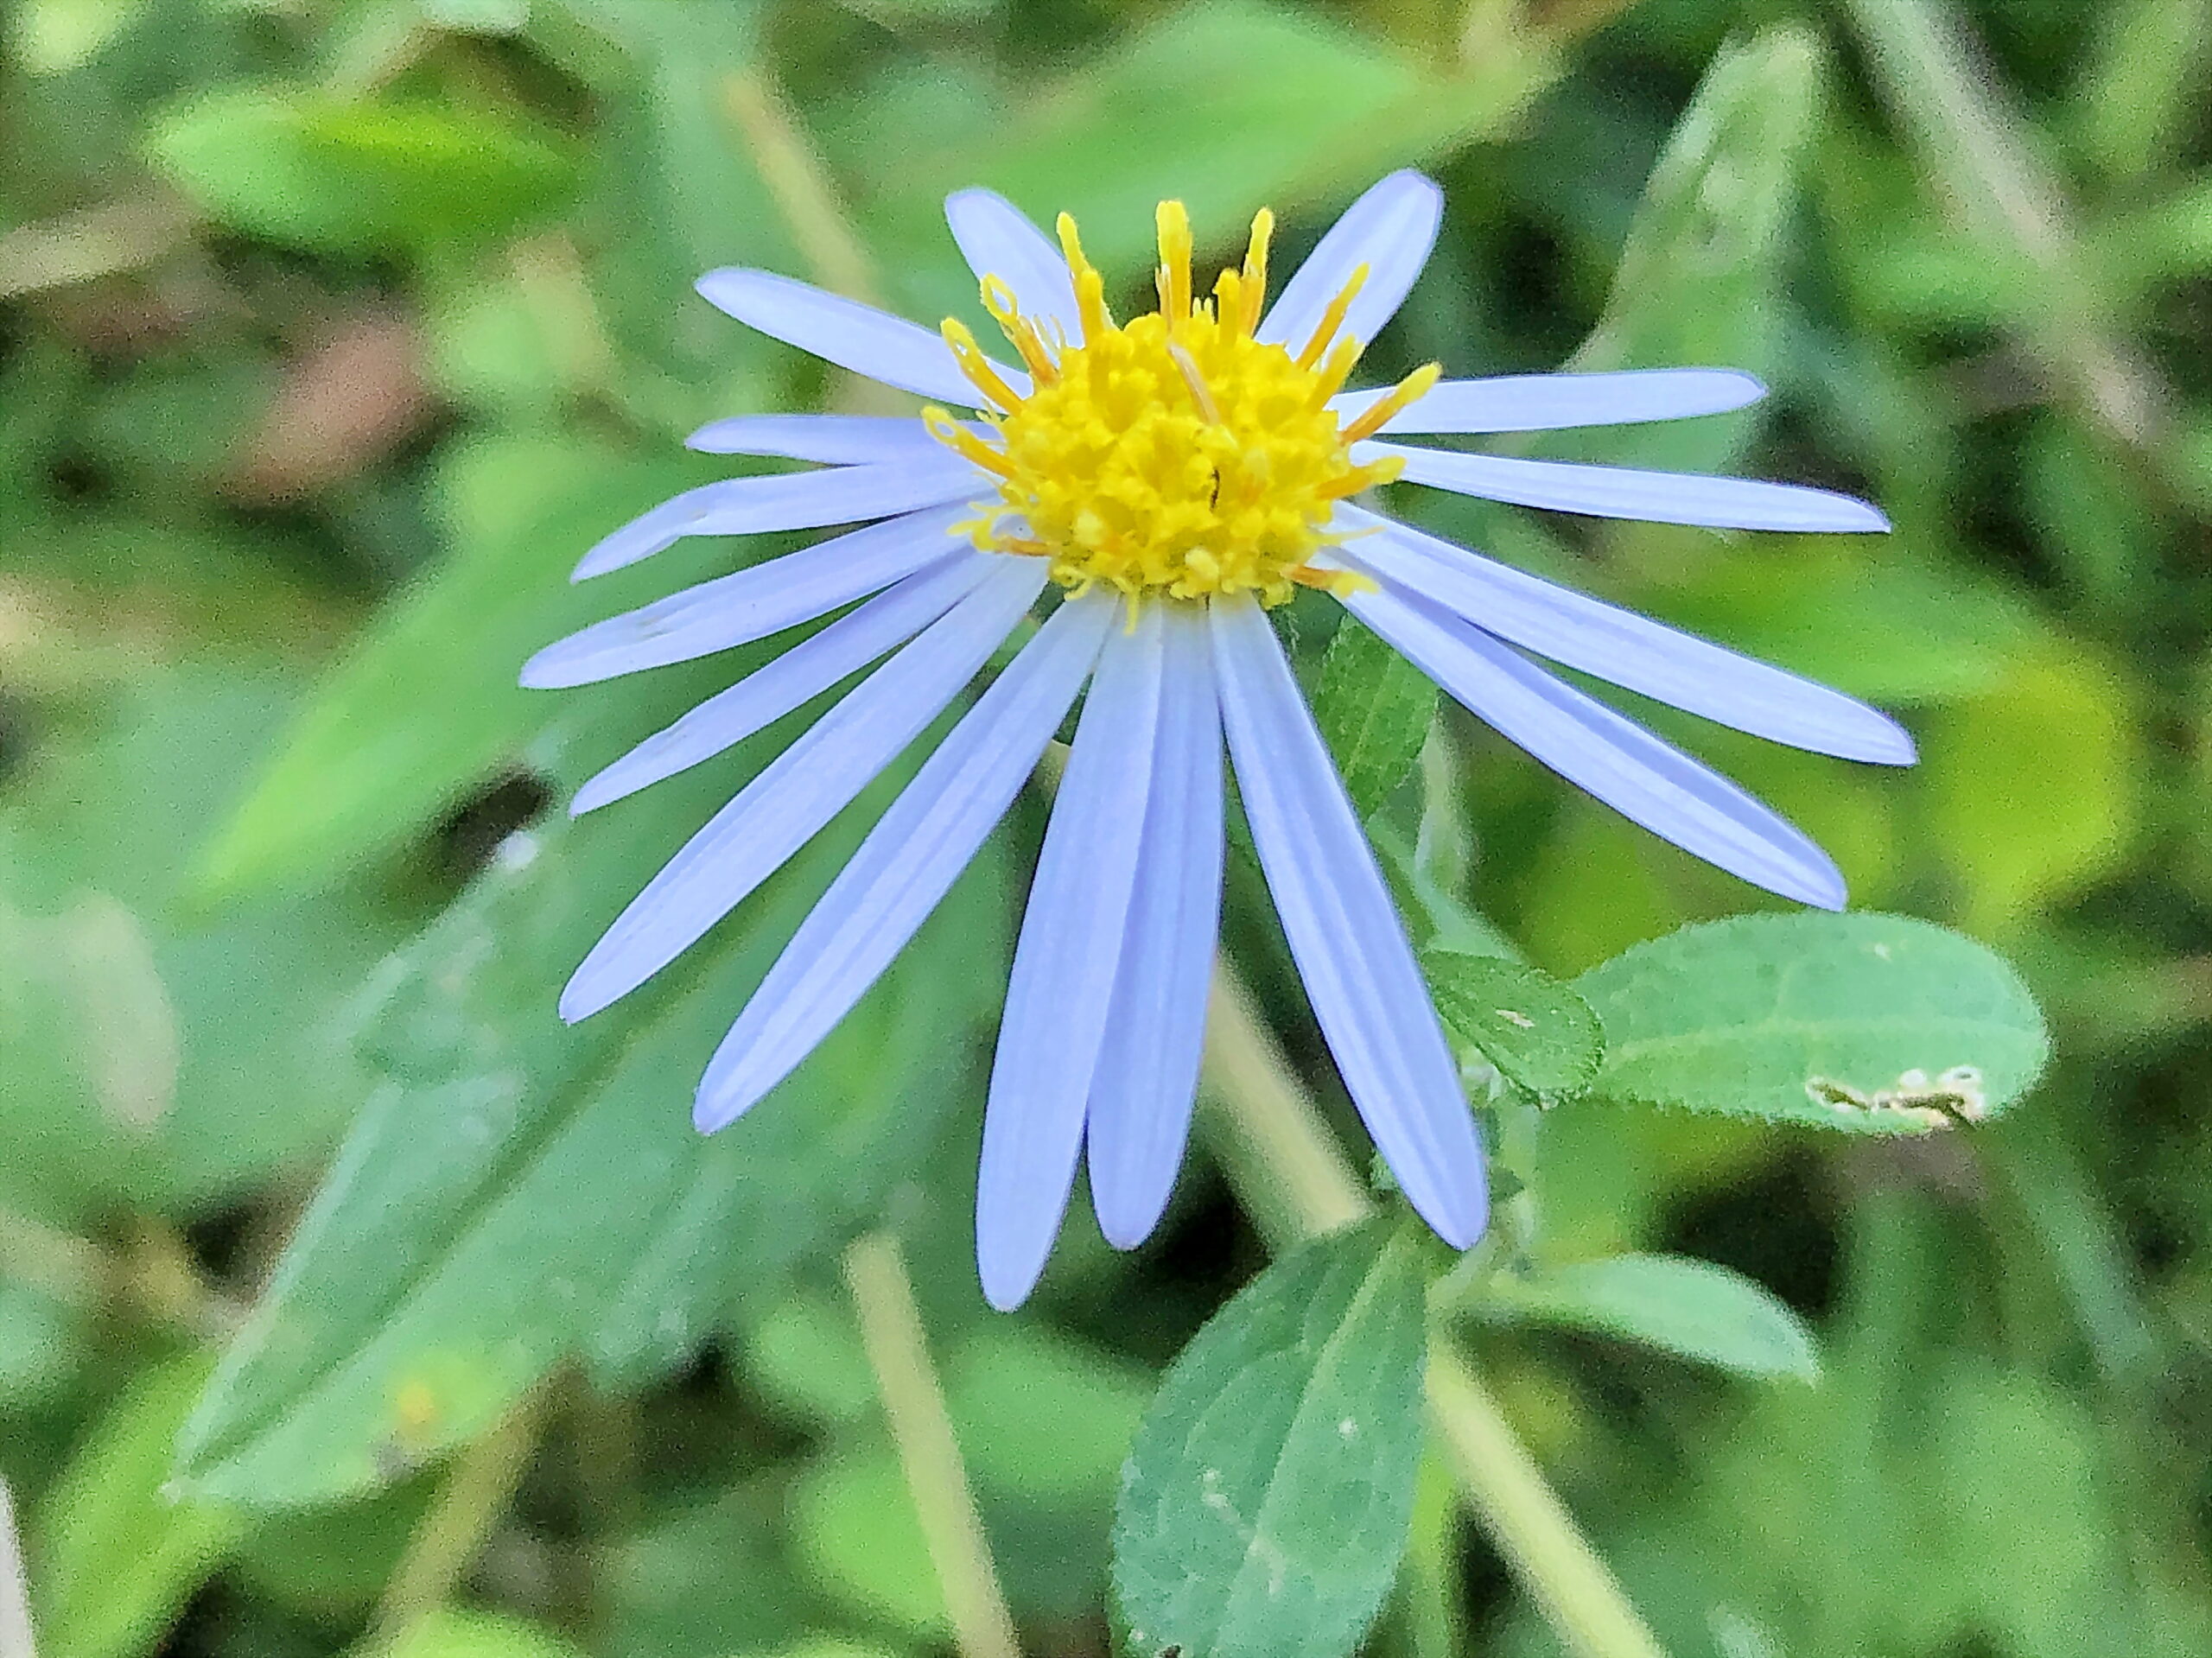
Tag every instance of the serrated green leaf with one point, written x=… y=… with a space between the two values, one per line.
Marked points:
x=1697 y=280
x=521 y=1191
x=1694 y=1308
x=322 y=173
x=1374 y=707
x=1264 y=1508
x=1540 y=1034
x=120 y=1553
x=1871 y=1023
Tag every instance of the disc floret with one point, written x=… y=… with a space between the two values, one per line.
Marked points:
x=1176 y=454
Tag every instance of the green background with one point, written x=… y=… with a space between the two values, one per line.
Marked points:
x=332 y=331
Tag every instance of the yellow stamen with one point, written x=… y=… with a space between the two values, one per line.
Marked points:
x=976 y=367
x=1228 y=303
x=1332 y=319
x=1175 y=456
x=1255 y=269
x=1188 y=366
x=1343 y=583
x=1020 y=331
x=956 y=437
x=1173 y=224
x=1089 y=286
x=1407 y=392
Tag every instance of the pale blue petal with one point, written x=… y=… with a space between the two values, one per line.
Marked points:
x=1544 y=402
x=1148 y=1071
x=997 y=239
x=1389 y=230
x=751 y=603
x=1594 y=748
x=1622 y=647
x=838 y=439
x=1062 y=983
x=908 y=861
x=1344 y=934
x=1627 y=493
x=792 y=679
x=791 y=500
x=844 y=332
x=805 y=786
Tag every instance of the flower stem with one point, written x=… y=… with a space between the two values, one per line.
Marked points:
x=929 y=1454
x=1294 y=1182
x=452 y=1532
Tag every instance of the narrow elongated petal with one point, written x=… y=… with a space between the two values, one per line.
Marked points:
x=1594 y=748
x=844 y=332
x=1350 y=945
x=791 y=500
x=805 y=786
x=1544 y=402
x=1147 y=1073
x=1622 y=647
x=906 y=864
x=792 y=679
x=1628 y=493
x=1389 y=230
x=997 y=239
x=839 y=440
x=751 y=603
x=1062 y=983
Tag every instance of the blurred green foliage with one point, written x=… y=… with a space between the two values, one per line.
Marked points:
x=332 y=330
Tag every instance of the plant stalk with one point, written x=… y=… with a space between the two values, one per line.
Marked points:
x=929 y=1454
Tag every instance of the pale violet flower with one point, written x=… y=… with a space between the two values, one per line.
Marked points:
x=1166 y=480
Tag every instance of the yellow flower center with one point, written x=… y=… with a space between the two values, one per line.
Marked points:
x=1174 y=455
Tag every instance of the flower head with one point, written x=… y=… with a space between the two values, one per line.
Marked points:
x=1172 y=477
x=1180 y=455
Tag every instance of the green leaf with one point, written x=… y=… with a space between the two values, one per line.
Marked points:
x=144 y=1059
x=1694 y=1308
x=1374 y=707
x=448 y=1633
x=521 y=1191
x=425 y=704
x=711 y=1580
x=319 y=172
x=120 y=1552
x=1873 y=1023
x=1040 y=1416
x=1233 y=105
x=854 y=1528
x=1538 y=1032
x=1264 y=1508
x=2022 y=821
x=1698 y=279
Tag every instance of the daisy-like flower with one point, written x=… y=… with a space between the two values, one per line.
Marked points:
x=1167 y=479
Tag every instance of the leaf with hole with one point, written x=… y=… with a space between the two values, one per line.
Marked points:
x=1876 y=1024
